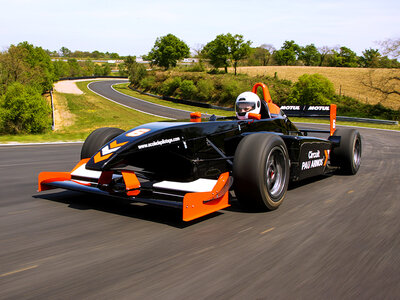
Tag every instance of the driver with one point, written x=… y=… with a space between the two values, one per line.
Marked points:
x=246 y=103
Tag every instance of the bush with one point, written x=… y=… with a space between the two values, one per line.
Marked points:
x=136 y=72
x=230 y=90
x=188 y=89
x=312 y=89
x=147 y=83
x=23 y=110
x=170 y=85
x=205 y=88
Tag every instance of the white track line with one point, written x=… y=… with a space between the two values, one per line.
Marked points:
x=35 y=144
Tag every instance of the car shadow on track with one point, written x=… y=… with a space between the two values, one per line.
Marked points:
x=154 y=213
x=158 y=214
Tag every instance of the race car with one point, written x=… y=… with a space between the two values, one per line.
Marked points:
x=193 y=164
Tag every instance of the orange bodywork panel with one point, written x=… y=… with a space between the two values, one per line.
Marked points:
x=273 y=108
x=254 y=116
x=195 y=117
x=196 y=205
x=132 y=183
x=46 y=177
x=332 y=117
x=266 y=94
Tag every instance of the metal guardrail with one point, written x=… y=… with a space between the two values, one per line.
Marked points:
x=92 y=77
x=366 y=120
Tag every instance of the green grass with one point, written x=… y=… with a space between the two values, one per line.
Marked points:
x=91 y=111
x=123 y=88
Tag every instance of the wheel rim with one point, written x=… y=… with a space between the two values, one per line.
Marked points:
x=357 y=152
x=275 y=172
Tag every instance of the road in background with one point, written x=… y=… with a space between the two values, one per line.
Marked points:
x=104 y=89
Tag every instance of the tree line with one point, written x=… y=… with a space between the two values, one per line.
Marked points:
x=67 y=53
x=233 y=50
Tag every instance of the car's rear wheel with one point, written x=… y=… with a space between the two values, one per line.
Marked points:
x=348 y=155
x=261 y=171
x=97 y=139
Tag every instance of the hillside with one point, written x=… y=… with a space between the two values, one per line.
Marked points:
x=359 y=83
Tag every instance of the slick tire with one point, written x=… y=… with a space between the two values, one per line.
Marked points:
x=348 y=155
x=261 y=171
x=97 y=139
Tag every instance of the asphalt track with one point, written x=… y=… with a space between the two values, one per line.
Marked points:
x=335 y=237
x=106 y=90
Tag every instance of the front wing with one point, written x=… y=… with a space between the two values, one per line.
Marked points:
x=196 y=199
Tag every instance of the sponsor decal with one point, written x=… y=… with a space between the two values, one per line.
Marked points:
x=324 y=108
x=159 y=143
x=290 y=107
x=107 y=151
x=137 y=132
x=315 y=160
x=315 y=154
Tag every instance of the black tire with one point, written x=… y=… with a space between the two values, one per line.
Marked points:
x=261 y=171
x=348 y=155
x=97 y=139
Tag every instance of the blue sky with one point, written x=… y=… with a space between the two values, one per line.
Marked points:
x=131 y=27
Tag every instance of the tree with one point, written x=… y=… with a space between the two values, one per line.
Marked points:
x=74 y=68
x=26 y=64
x=136 y=72
x=65 y=52
x=344 y=58
x=239 y=49
x=168 y=50
x=310 y=55
x=370 y=58
x=61 y=69
x=288 y=54
x=391 y=47
x=23 y=110
x=217 y=51
x=263 y=54
x=106 y=69
x=383 y=85
x=225 y=48
x=324 y=52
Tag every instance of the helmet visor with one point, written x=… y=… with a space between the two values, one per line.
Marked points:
x=243 y=107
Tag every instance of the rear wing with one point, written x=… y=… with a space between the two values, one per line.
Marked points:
x=312 y=111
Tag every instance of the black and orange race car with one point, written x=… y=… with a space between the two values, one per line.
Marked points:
x=193 y=164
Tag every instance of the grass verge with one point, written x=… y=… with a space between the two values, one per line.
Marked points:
x=90 y=111
x=123 y=88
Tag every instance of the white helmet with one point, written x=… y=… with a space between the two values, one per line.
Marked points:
x=247 y=102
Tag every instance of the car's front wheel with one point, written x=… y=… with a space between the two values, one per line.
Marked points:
x=97 y=139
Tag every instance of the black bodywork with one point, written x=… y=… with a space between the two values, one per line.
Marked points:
x=185 y=151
